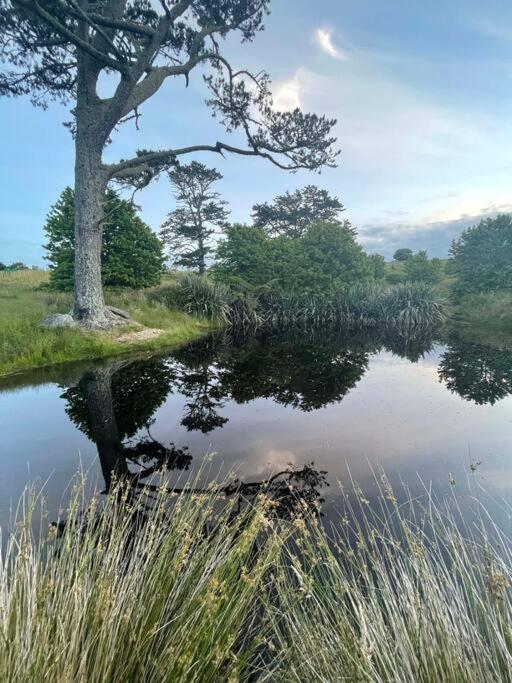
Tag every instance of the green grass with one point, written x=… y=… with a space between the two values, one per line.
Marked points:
x=25 y=344
x=193 y=590
x=488 y=312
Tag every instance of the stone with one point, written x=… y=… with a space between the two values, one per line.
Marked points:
x=59 y=320
x=119 y=312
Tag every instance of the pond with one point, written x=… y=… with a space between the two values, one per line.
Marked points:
x=428 y=413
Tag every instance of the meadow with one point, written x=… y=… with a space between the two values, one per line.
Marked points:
x=25 y=344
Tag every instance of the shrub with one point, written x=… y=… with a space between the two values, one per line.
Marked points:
x=197 y=295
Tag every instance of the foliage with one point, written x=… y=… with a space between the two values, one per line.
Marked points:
x=482 y=257
x=477 y=372
x=200 y=212
x=291 y=214
x=197 y=295
x=403 y=307
x=325 y=258
x=131 y=253
x=44 y=45
x=402 y=254
x=25 y=344
x=378 y=265
x=418 y=268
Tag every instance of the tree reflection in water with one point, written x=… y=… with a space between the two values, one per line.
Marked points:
x=115 y=405
x=476 y=372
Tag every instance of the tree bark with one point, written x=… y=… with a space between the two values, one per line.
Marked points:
x=91 y=180
x=89 y=307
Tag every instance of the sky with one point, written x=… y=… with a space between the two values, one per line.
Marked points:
x=423 y=98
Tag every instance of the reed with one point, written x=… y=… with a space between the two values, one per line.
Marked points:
x=198 y=588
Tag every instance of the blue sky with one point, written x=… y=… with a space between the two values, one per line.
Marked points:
x=421 y=91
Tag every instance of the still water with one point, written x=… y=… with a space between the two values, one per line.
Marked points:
x=428 y=413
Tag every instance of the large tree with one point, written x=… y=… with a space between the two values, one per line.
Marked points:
x=199 y=214
x=292 y=213
x=481 y=259
x=132 y=255
x=59 y=48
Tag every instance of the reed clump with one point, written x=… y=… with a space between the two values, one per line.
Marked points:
x=404 y=307
x=195 y=587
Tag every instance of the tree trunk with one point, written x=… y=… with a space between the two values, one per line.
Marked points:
x=90 y=186
x=103 y=425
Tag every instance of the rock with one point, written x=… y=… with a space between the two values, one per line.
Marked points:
x=119 y=312
x=59 y=320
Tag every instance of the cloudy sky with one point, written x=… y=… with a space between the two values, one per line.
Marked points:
x=421 y=91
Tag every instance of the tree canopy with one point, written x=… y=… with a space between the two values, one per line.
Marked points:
x=402 y=254
x=481 y=259
x=419 y=268
x=132 y=254
x=199 y=214
x=326 y=257
x=292 y=213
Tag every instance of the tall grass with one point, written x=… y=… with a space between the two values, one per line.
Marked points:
x=196 y=589
x=405 y=593
x=405 y=307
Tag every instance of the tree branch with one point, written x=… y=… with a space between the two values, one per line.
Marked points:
x=34 y=7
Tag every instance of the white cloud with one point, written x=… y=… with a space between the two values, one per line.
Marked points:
x=323 y=38
x=287 y=95
x=405 y=151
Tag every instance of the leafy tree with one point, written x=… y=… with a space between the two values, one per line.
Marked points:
x=131 y=253
x=419 y=268
x=2 y=266
x=378 y=265
x=242 y=257
x=200 y=212
x=291 y=214
x=402 y=254
x=481 y=259
x=17 y=265
x=333 y=258
x=326 y=257
x=57 y=50
x=476 y=372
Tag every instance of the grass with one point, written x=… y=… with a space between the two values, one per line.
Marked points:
x=25 y=344
x=405 y=307
x=489 y=311
x=193 y=589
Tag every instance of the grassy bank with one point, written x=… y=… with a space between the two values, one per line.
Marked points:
x=24 y=344
x=203 y=591
x=489 y=313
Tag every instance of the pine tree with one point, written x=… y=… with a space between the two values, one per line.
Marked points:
x=200 y=213
x=132 y=255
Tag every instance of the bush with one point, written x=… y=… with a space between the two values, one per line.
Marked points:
x=197 y=295
x=419 y=268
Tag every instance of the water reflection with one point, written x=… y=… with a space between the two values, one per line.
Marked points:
x=113 y=404
x=476 y=372
x=146 y=416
